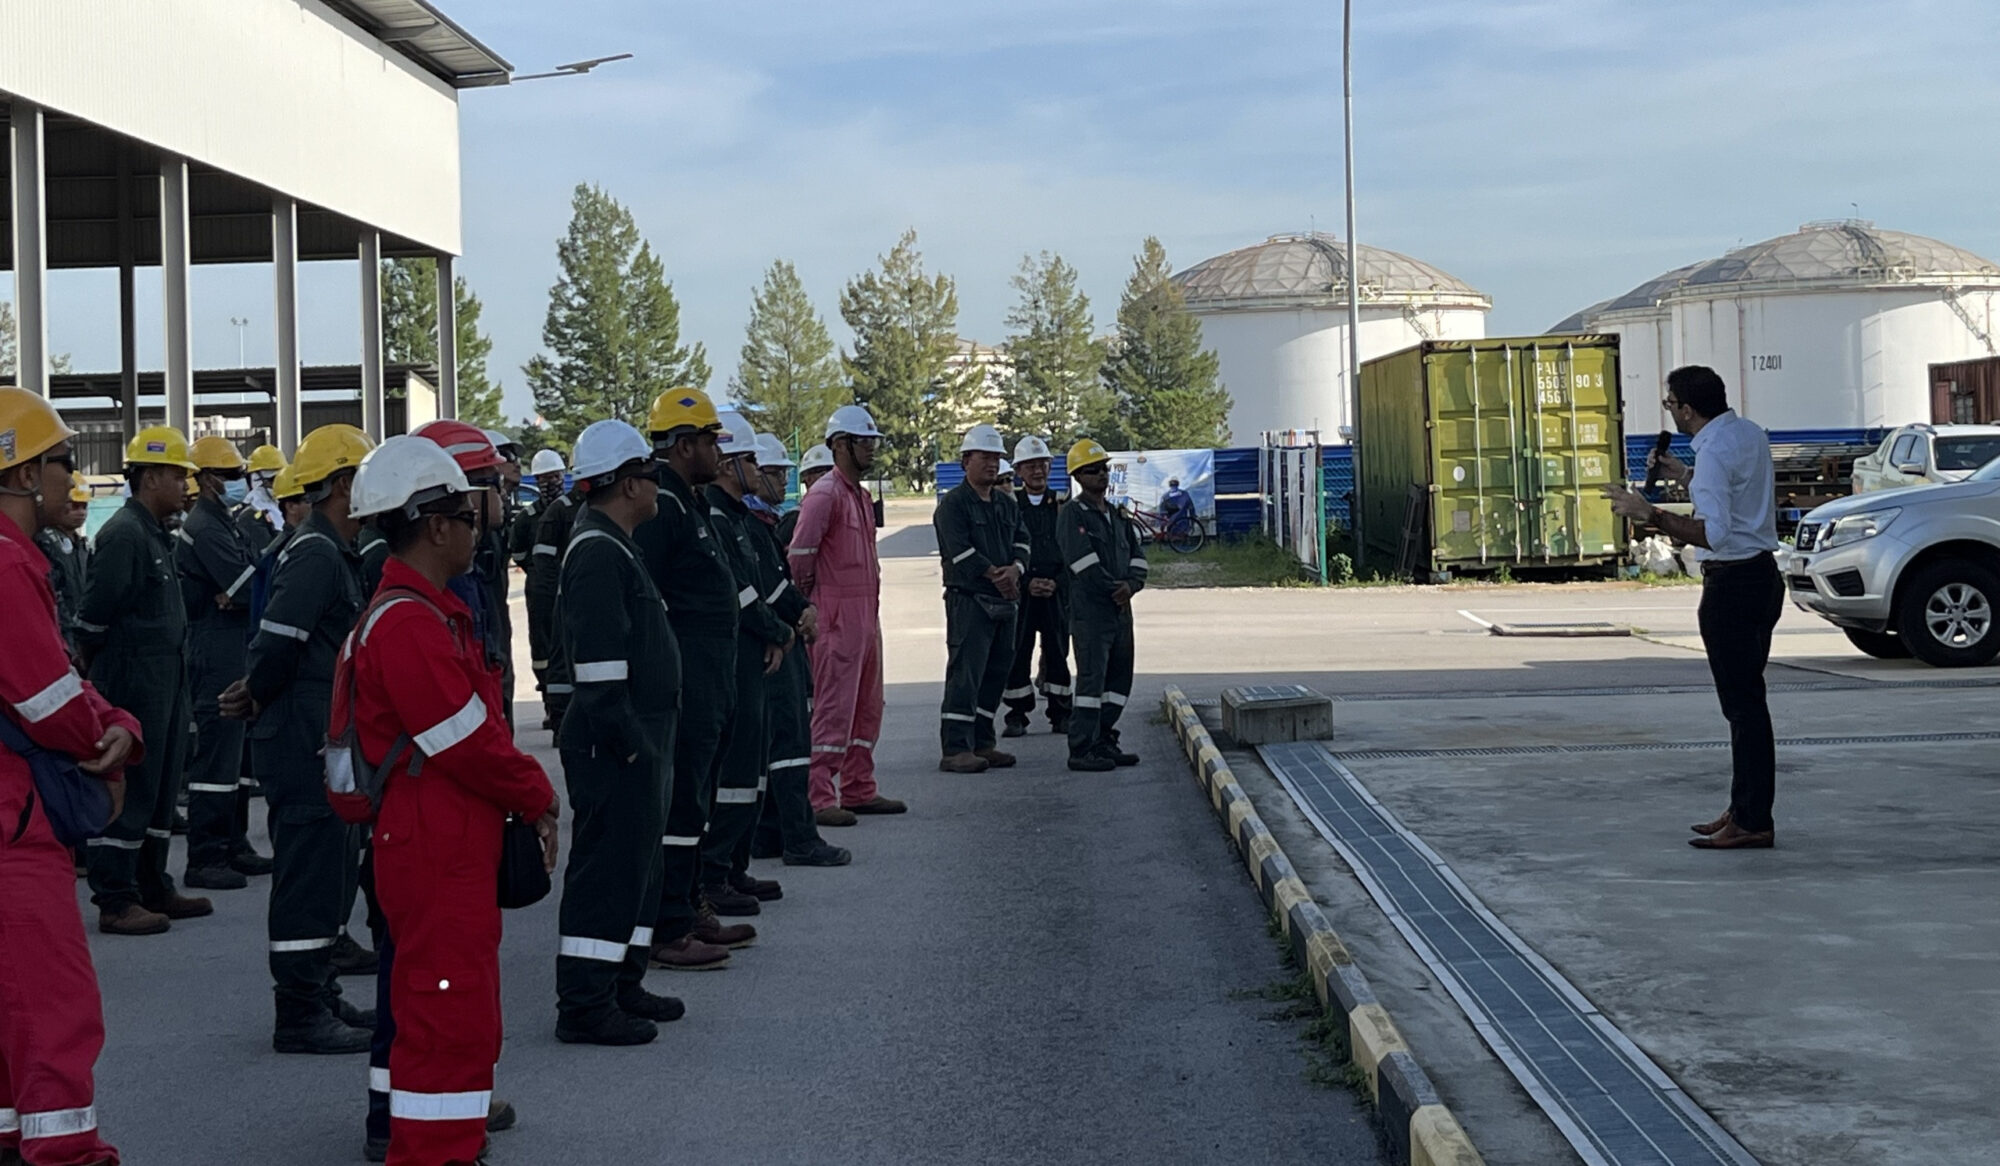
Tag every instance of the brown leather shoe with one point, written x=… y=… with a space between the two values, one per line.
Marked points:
x=132 y=919
x=179 y=906
x=879 y=805
x=1714 y=827
x=1731 y=837
x=688 y=954
x=995 y=759
x=711 y=930
x=834 y=816
x=959 y=763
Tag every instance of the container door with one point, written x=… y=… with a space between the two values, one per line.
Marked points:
x=1475 y=423
x=1568 y=395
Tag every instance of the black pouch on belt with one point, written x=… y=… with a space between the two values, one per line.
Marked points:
x=996 y=609
x=523 y=880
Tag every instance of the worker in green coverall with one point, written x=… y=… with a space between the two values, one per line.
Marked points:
x=133 y=631
x=1106 y=564
x=984 y=551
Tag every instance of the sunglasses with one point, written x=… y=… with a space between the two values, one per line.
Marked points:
x=66 y=461
x=1089 y=471
x=469 y=517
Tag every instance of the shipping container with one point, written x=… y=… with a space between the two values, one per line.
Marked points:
x=1478 y=454
x=1965 y=392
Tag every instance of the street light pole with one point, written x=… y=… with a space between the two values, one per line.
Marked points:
x=241 y=323
x=1353 y=283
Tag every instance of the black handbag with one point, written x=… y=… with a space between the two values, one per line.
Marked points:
x=523 y=880
x=77 y=805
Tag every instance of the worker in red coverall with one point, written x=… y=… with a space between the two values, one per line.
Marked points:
x=51 y=1020
x=833 y=563
x=421 y=675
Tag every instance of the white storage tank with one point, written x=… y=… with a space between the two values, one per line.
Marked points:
x=1832 y=327
x=1276 y=316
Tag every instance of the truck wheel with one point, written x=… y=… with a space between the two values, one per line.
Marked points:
x=1947 y=614
x=1881 y=645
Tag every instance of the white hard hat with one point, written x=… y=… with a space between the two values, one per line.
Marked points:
x=982 y=438
x=501 y=441
x=403 y=473
x=1006 y=467
x=547 y=461
x=604 y=446
x=771 y=453
x=819 y=457
x=737 y=437
x=1031 y=448
x=852 y=420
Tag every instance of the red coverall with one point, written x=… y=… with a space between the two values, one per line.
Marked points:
x=833 y=563
x=437 y=857
x=51 y=1020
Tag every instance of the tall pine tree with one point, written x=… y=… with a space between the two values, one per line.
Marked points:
x=1055 y=356
x=1159 y=379
x=788 y=378
x=410 y=331
x=905 y=326
x=613 y=329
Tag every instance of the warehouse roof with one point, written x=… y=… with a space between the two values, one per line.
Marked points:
x=1312 y=269
x=416 y=29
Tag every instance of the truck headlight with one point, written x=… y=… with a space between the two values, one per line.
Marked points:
x=1855 y=527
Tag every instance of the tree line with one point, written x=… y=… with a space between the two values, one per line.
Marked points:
x=613 y=341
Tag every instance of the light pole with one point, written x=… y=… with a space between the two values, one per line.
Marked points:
x=1353 y=283
x=241 y=323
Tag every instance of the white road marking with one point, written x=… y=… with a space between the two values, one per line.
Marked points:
x=1475 y=619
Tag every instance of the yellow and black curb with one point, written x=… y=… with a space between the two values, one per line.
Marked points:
x=1420 y=1130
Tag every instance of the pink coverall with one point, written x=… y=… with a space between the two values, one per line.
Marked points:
x=833 y=563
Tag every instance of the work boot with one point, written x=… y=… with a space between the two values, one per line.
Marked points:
x=765 y=850
x=1059 y=726
x=712 y=930
x=1120 y=756
x=180 y=826
x=957 y=763
x=688 y=954
x=1092 y=763
x=214 y=878
x=499 y=1116
x=833 y=816
x=879 y=805
x=132 y=919
x=349 y=958
x=179 y=906
x=763 y=890
x=650 y=1005
x=249 y=862
x=616 y=1027
x=821 y=855
x=352 y=1016
x=1014 y=728
x=727 y=900
x=324 y=1035
x=995 y=759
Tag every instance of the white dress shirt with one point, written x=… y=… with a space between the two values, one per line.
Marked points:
x=1734 y=489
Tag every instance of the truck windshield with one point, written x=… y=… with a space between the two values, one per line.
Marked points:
x=1990 y=472
x=1966 y=453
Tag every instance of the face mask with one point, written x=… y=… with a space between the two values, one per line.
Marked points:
x=235 y=491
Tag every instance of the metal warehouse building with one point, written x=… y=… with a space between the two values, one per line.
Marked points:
x=1833 y=327
x=256 y=131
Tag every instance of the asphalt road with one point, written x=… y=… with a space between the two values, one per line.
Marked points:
x=1031 y=966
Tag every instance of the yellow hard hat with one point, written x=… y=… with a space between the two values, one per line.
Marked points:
x=192 y=491
x=1086 y=452
x=29 y=427
x=326 y=451
x=682 y=409
x=217 y=453
x=79 y=493
x=287 y=485
x=266 y=459
x=159 y=445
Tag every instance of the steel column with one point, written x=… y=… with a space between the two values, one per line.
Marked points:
x=447 y=346
x=128 y=300
x=372 y=405
x=31 y=248
x=285 y=270
x=176 y=259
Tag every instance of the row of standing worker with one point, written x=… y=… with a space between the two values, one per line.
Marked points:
x=363 y=589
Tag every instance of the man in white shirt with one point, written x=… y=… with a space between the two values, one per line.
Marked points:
x=1734 y=530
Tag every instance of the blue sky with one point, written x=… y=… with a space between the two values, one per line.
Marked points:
x=1550 y=152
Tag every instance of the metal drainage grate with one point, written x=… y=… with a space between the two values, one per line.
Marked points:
x=1655 y=690
x=1661 y=746
x=1613 y=1104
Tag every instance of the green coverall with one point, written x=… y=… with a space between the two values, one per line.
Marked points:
x=975 y=535
x=1102 y=551
x=216 y=567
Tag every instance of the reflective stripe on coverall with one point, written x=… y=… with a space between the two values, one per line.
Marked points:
x=739 y=789
x=51 y=1019
x=974 y=535
x=1101 y=551
x=215 y=564
x=544 y=567
x=786 y=824
x=834 y=564
x=1043 y=617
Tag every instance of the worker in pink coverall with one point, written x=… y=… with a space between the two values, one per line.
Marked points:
x=833 y=563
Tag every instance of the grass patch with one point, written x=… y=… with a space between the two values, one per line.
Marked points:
x=1323 y=1035
x=1250 y=561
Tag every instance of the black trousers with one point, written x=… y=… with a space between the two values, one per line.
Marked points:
x=1102 y=635
x=1044 y=618
x=129 y=863
x=315 y=857
x=708 y=706
x=1740 y=605
x=739 y=786
x=786 y=826
x=611 y=887
x=981 y=650
x=217 y=656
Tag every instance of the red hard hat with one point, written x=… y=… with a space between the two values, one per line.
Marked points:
x=467 y=444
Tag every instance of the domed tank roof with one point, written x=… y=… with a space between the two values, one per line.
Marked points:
x=1311 y=269
x=1846 y=250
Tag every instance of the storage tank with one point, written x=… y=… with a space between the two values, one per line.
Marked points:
x=1276 y=316
x=1832 y=327
x=1482 y=453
